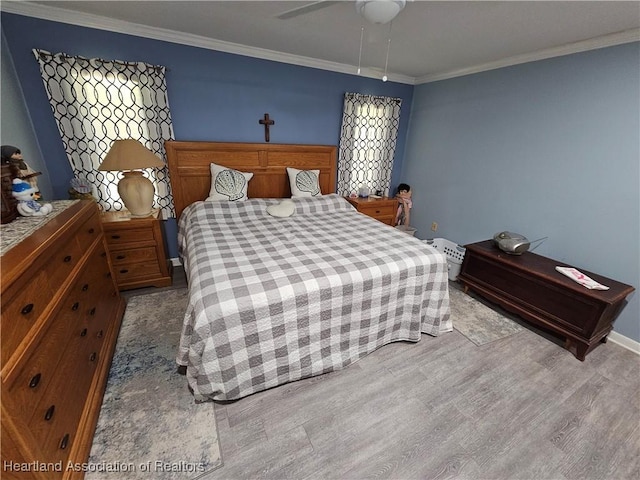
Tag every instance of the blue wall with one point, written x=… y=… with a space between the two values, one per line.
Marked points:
x=213 y=96
x=16 y=128
x=549 y=148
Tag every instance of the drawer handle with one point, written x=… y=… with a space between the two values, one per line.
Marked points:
x=83 y=333
x=27 y=309
x=99 y=334
x=124 y=270
x=121 y=257
x=49 y=414
x=93 y=356
x=115 y=237
x=35 y=380
x=75 y=306
x=85 y=287
x=65 y=442
x=377 y=211
x=92 y=311
x=91 y=230
x=67 y=259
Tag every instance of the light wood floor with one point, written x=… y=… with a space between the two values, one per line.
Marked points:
x=518 y=408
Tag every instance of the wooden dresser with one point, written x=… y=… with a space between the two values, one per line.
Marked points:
x=61 y=314
x=136 y=249
x=530 y=286
x=383 y=209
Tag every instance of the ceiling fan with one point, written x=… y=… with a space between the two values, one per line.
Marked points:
x=374 y=11
x=310 y=7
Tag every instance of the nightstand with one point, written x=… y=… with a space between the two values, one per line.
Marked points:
x=136 y=249
x=383 y=209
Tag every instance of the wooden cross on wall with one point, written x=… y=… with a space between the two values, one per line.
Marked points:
x=267 y=122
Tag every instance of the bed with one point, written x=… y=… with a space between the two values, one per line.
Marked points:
x=277 y=299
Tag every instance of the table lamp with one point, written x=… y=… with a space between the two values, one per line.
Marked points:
x=136 y=191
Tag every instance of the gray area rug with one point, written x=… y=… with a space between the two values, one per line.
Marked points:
x=149 y=426
x=476 y=321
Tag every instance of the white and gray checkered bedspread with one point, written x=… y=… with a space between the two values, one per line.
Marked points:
x=273 y=300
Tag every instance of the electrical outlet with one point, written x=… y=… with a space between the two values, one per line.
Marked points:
x=434 y=226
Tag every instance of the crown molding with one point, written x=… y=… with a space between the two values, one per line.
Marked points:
x=619 y=38
x=119 y=26
x=60 y=15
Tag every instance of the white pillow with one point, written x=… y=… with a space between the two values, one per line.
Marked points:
x=228 y=184
x=283 y=209
x=304 y=183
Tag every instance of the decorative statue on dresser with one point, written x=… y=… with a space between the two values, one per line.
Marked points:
x=25 y=194
x=13 y=157
x=404 y=204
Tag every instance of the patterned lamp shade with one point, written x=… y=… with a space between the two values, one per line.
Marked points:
x=135 y=190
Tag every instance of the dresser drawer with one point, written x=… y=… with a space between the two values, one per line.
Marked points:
x=22 y=305
x=33 y=376
x=56 y=417
x=63 y=262
x=47 y=417
x=123 y=237
x=90 y=230
x=58 y=414
x=79 y=368
x=60 y=436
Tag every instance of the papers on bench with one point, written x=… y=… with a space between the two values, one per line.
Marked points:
x=577 y=276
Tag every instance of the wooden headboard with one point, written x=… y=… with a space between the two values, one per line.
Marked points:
x=190 y=175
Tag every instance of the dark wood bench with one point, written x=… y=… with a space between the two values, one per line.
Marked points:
x=530 y=286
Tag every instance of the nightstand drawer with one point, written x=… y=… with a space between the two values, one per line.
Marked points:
x=134 y=271
x=378 y=211
x=387 y=219
x=134 y=255
x=385 y=213
x=131 y=235
x=382 y=209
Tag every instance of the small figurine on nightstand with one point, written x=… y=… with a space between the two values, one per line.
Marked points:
x=404 y=204
x=27 y=206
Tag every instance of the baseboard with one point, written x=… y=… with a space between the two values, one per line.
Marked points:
x=175 y=262
x=624 y=342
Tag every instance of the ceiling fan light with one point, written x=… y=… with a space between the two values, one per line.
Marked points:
x=379 y=11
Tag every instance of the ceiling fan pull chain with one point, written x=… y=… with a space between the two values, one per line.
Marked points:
x=386 y=62
x=360 y=54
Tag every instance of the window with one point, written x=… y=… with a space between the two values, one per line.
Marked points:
x=367 y=142
x=96 y=102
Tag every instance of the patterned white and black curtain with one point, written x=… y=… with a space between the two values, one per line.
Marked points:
x=97 y=101
x=367 y=142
